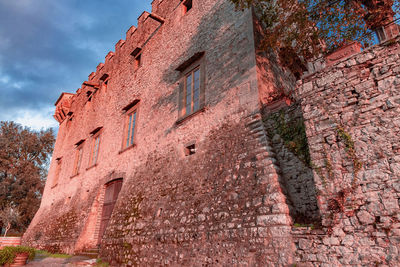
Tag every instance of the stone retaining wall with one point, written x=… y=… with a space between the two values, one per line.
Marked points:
x=351 y=113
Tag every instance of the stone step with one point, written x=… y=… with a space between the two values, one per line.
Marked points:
x=263 y=149
x=258 y=134
x=92 y=253
x=258 y=129
x=254 y=123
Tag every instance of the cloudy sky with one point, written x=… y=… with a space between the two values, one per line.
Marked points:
x=51 y=46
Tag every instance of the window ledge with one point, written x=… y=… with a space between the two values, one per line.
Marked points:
x=73 y=176
x=91 y=167
x=187 y=117
x=127 y=148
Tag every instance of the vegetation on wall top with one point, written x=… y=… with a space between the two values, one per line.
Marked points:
x=312 y=27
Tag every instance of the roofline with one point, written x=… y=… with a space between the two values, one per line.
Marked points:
x=61 y=96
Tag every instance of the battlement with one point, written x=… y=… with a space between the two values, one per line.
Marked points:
x=165 y=7
x=137 y=37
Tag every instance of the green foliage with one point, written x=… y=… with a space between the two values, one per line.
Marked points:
x=297 y=225
x=312 y=27
x=350 y=149
x=293 y=133
x=8 y=254
x=101 y=263
x=24 y=159
x=46 y=254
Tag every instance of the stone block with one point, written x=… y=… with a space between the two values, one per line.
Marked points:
x=274 y=219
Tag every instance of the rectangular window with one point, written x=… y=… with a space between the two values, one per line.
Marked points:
x=57 y=172
x=192 y=91
x=104 y=81
x=137 y=55
x=187 y=5
x=94 y=154
x=138 y=62
x=191 y=86
x=131 y=128
x=78 y=159
x=130 y=125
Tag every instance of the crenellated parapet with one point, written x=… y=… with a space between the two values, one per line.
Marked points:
x=131 y=48
x=165 y=7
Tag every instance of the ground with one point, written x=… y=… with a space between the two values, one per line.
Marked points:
x=40 y=261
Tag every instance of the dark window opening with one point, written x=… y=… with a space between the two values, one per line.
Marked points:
x=95 y=131
x=104 y=80
x=137 y=54
x=190 y=150
x=138 y=61
x=187 y=5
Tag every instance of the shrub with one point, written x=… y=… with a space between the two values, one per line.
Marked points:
x=8 y=254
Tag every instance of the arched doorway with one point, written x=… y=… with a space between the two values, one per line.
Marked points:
x=110 y=198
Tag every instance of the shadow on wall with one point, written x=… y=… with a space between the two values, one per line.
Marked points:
x=228 y=58
x=287 y=132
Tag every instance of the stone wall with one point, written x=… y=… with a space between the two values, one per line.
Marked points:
x=223 y=204
x=286 y=129
x=234 y=200
x=351 y=113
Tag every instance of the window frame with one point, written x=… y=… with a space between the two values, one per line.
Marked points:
x=138 y=62
x=56 y=177
x=197 y=64
x=192 y=91
x=95 y=136
x=104 y=81
x=78 y=159
x=127 y=128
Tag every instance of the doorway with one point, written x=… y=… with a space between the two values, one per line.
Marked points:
x=110 y=198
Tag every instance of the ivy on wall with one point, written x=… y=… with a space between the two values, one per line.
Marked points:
x=292 y=130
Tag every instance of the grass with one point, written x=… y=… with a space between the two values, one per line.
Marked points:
x=304 y=225
x=46 y=254
x=101 y=263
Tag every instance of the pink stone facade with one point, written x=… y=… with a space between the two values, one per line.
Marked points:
x=216 y=185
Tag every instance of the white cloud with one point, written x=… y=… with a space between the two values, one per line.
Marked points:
x=4 y=79
x=36 y=119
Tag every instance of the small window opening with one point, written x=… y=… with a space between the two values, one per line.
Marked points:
x=190 y=150
x=138 y=61
x=187 y=5
x=104 y=80
x=137 y=54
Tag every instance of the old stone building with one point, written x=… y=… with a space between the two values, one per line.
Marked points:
x=182 y=150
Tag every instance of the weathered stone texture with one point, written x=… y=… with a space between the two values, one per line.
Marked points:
x=211 y=208
x=351 y=113
x=222 y=205
x=289 y=142
x=234 y=201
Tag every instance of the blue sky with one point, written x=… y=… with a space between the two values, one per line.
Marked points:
x=51 y=46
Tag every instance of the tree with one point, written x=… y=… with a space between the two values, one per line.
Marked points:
x=314 y=27
x=8 y=216
x=24 y=158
